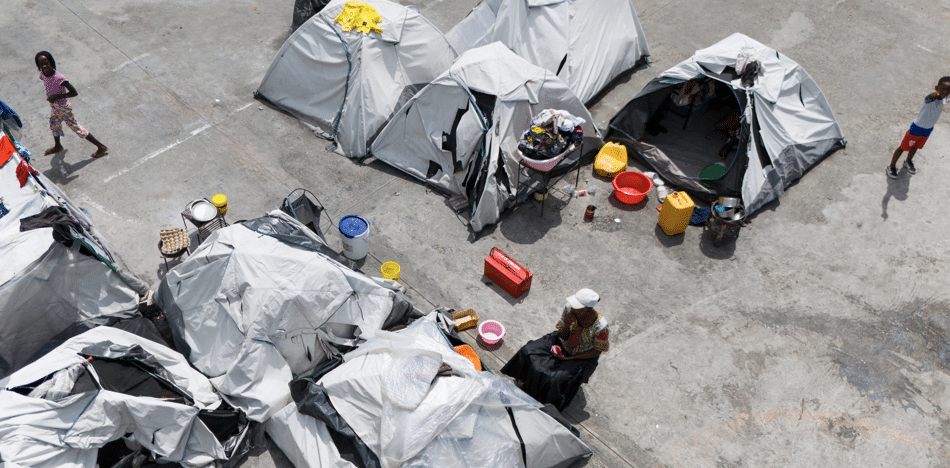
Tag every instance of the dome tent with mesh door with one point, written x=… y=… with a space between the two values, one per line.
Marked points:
x=763 y=137
x=461 y=132
x=351 y=65
x=586 y=43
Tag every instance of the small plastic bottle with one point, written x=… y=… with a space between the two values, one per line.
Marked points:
x=580 y=193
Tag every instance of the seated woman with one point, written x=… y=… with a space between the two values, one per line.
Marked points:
x=553 y=367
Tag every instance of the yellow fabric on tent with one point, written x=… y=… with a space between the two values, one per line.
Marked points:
x=361 y=16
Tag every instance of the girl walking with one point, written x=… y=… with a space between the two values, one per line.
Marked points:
x=58 y=92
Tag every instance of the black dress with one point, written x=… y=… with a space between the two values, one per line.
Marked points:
x=547 y=378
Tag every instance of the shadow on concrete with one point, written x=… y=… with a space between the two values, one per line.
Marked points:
x=489 y=347
x=771 y=206
x=62 y=172
x=668 y=241
x=577 y=409
x=896 y=189
x=525 y=223
x=501 y=292
x=724 y=251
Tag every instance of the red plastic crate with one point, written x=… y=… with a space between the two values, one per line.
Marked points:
x=507 y=273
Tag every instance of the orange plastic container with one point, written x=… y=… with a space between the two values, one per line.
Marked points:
x=674 y=217
x=470 y=354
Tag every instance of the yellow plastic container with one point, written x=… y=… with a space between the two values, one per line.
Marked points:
x=611 y=160
x=675 y=214
x=220 y=201
x=390 y=271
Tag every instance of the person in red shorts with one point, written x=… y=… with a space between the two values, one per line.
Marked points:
x=920 y=129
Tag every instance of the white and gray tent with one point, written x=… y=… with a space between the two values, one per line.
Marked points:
x=586 y=43
x=348 y=83
x=787 y=125
x=47 y=287
x=105 y=386
x=258 y=303
x=408 y=399
x=460 y=133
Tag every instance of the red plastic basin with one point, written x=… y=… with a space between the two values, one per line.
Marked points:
x=631 y=187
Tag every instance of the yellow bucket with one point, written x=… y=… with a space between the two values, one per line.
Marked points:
x=390 y=271
x=220 y=201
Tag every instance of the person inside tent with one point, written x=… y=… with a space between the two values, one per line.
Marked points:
x=687 y=96
x=552 y=368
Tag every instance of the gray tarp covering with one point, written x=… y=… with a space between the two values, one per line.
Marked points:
x=251 y=311
x=461 y=132
x=45 y=287
x=348 y=83
x=586 y=43
x=68 y=431
x=789 y=124
x=415 y=402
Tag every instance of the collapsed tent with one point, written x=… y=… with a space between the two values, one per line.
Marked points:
x=408 y=399
x=762 y=134
x=461 y=132
x=350 y=66
x=586 y=43
x=258 y=303
x=57 y=270
x=107 y=385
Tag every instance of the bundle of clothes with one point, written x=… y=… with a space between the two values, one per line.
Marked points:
x=551 y=133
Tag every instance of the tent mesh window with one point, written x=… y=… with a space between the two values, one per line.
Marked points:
x=299 y=205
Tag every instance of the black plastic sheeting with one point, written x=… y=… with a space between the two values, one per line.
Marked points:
x=312 y=399
x=137 y=326
x=130 y=371
x=303 y=10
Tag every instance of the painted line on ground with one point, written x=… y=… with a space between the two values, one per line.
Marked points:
x=87 y=201
x=129 y=62
x=156 y=153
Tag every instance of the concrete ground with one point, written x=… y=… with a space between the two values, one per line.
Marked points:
x=817 y=338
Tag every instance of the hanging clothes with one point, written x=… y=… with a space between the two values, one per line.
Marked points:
x=23 y=172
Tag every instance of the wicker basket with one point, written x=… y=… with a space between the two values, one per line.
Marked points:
x=465 y=319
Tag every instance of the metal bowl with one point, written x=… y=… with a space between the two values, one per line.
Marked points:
x=729 y=202
x=203 y=211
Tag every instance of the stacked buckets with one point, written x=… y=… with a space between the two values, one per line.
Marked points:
x=354 y=230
